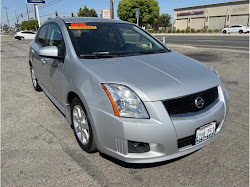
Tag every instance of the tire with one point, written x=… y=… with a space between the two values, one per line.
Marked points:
x=22 y=38
x=224 y=32
x=82 y=127
x=34 y=80
x=241 y=31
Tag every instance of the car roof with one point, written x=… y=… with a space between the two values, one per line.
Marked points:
x=91 y=19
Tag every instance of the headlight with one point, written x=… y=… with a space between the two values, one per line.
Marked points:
x=125 y=102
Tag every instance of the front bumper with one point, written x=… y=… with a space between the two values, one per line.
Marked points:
x=160 y=131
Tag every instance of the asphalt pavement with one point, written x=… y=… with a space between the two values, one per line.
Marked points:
x=38 y=147
x=234 y=41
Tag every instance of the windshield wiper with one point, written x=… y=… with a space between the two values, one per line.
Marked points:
x=152 y=52
x=98 y=56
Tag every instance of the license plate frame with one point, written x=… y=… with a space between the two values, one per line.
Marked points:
x=205 y=132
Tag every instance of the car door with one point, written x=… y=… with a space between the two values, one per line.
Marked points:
x=235 y=29
x=230 y=29
x=29 y=35
x=38 y=61
x=54 y=66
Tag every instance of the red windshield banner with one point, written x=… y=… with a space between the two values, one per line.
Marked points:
x=81 y=26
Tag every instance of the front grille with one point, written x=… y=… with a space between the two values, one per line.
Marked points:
x=186 y=104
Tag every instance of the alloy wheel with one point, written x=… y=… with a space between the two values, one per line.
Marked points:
x=81 y=125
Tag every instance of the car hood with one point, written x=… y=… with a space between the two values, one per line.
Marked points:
x=156 y=76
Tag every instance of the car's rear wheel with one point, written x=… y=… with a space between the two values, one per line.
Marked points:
x=224 y=32
x=82 y=127
x=34 y=80
x=21 y=38
x=241 y=31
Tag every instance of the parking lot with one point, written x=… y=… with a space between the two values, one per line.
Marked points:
x=38 y=147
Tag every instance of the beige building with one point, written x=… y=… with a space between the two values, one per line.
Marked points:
x=212 y=16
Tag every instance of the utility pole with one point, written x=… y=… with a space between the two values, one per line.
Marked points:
x=6 y=9
x=35 y=12
x=16 y=18
x=28 y=14
x=112 y=9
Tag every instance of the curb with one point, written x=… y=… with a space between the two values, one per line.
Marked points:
x=198 y=34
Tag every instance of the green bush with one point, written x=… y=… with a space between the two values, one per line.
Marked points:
x=169 y=30
x=203 y=30
x=161 y=31
x=183 y=31
x=210 y=30
x=192 y=31
x=178 y=31
x=173 y=31
x=29 y=25
x=198 y=30
x=187 y=30
x=216 y=30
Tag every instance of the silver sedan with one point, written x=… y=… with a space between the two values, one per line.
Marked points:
x=124 y=92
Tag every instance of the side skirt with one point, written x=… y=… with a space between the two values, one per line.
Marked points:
x=52 y=98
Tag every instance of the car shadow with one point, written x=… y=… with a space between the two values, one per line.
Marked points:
x=141 y=166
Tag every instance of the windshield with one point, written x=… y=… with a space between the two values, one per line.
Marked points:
x=102 y=40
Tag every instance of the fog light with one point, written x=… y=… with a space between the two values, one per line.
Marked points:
x=138 y=147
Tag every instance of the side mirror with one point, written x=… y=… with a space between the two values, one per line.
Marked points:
x=49 y=51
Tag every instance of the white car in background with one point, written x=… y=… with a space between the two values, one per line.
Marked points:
x=22 y=35
x=236 y=29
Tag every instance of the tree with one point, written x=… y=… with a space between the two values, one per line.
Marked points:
x=165 y=20
x=85 y=12
x=156 y=25
x=6 y=27
x=149 y=11
x=29 y=25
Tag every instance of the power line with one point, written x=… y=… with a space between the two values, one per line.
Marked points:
x=51 y=3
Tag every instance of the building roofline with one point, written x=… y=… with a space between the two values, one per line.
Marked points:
x=214 y=4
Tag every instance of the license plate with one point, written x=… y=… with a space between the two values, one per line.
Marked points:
x=205 y=132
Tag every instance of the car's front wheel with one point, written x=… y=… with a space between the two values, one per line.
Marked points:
x=224 y=32
x=34 y=80
x=82 y=127
x=241 y=31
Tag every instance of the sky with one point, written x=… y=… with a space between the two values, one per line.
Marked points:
x=66 y=7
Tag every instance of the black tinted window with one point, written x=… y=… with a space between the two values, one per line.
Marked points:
x=42 y=35
x=95 y=38
x=54 y=38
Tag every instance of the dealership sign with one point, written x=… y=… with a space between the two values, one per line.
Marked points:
x=190 y=13
x=36 y=1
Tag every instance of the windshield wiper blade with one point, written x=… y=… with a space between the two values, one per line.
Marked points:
x=98 y=56
x=152 y=52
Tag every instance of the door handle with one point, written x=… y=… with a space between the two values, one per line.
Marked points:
x=43 y=61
